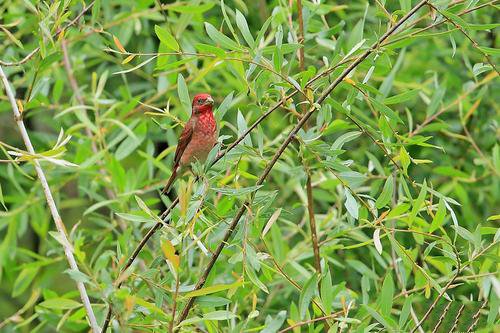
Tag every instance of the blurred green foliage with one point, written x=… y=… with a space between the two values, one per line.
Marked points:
x=403 y=157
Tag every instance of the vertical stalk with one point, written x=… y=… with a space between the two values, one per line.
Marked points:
x=68 y=248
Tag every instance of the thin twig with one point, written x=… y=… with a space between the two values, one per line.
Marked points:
x=310 y=201
x=68 y=248
x=302 y=323
x=462 y=30
x=282 y=148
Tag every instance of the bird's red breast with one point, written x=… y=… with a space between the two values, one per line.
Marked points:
x=204 y=130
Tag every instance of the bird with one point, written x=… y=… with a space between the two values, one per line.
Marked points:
x=197 y=139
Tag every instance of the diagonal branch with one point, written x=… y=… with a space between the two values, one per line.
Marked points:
x=68 y=248
x=284 y=145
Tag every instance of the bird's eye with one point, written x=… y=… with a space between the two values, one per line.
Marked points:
x=200 y=101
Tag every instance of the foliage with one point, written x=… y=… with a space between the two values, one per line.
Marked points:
x=402 y=159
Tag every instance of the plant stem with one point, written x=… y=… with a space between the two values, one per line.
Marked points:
x=68 y=248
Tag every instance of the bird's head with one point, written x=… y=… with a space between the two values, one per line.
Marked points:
x=202 y=103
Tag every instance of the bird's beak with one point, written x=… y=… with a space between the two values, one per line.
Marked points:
x=209 y=101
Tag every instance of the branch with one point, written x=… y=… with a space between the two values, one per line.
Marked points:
x=284 y=145
x=56 y=34
x=310 y=201
x=462 y=30
x=68 y=248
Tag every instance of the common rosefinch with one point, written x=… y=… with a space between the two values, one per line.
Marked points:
x=198 y=137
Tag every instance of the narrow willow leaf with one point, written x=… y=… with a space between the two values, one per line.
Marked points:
x=182 y=7
x=271 y=221
x=404 y=157
x=183 y=93
x=166 y=38
x=118 y=44
x=169 y=252
x=236 y=191
x=128 y=59
x=242 y=24
x=224 y=106
x=272 y=325
x=403 y=97
x=220 y=38
x=438 y=219
x=385 y=110
x=327 y=295
x=242 y=128
x=60 y=304
x=254 y=279
x=307 y=294
x=405 y=312
x=219 y=315
x=344 y=138
x=418 y=203
x=1 y=199
x=386 y=295
x=210 y=49
x=378 y=317
x=24 y=279
x=376 y=241
x=213 y=289
x=386 y=195
x=351 y=204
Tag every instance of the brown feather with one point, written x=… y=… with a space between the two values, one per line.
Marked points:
x=185 y=138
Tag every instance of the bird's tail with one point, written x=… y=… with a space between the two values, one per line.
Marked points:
x=170 y=182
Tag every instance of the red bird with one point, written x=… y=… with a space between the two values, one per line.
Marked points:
x=198 y=137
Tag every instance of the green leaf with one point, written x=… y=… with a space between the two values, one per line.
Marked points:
x=183 y=93
x=386 y=295
x=344 y=138
x=255 y=280
x=1 y=199
x=386 y=195
x=130 y=144
x=385 y=110
x=242 y=128
x=490 y=50
x=213 y=289
x=494 y=217
x=417 y=203
x=24 y=279
x=182 y=7
x=378 y=317
x=438 y=219
x=404 y=157
x=405 y=312
x=403 y=97
x=236 y=191
x=219 y=315
x=351 y=204
x=327 y=295
x=60 y=304
x=166 y=38
x=241 y=22
x=307 y=294
x=77 y=275
x=273 y=325
x=224 y=106
x=210 y=49
x=220 y=38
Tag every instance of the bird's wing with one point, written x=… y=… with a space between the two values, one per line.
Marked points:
x=184 y=139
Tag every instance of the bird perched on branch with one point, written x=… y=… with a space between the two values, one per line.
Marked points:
x=198 y=137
